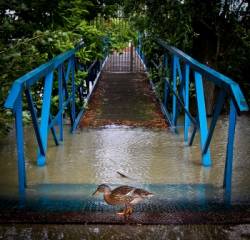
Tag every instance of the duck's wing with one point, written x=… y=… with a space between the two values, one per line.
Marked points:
x=122 y=190
x=122 y=193
x=143 y=193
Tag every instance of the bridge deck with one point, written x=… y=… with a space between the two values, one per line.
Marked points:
x=61 y=192
x=124 y=99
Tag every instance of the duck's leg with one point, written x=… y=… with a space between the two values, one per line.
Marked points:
x=123 y=213
x=129 y=210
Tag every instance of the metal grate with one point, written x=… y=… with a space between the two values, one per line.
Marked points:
x=126 y=60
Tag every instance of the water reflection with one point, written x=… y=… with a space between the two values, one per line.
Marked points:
x=148 y=157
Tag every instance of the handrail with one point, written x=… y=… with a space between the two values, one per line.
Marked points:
x=177 y=86
x=64 y=67
x=216 y=77
x=33 y=76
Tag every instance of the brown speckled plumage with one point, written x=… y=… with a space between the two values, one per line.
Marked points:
x=123 y=195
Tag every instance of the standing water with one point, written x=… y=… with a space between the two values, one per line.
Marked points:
x=156 y=160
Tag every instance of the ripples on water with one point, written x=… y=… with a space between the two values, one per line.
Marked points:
x=94 y=156
x=154 y=159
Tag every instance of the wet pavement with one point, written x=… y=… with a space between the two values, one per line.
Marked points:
x=117 y=232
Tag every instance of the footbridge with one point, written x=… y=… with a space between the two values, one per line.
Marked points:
x=118 y=90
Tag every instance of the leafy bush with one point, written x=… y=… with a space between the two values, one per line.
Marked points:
x=22 y=55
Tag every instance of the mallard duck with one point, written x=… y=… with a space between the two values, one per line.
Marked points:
x=123 y=195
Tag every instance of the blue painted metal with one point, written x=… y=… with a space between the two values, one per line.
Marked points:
x=35 y=75
x=230 y=146
x=206 y=160
x=218 y=107
x=94 y=71
x=186 y=100
x=20 y=147
x=166 y=93
x=180 y=90
x=174 y=79
x=196 y=126
x=228 y=88
x=77 y=120
x=65 y=91
x=53 y=131
x=61 y=98
x=41 y=160
x=179 y=69
x=73 y=91
x=165 y=73
x=167 y=115
x=212 y=75
x=67 y=73
x=185 y=110
x=66 y=100
x=34 y=120
x=191 y=140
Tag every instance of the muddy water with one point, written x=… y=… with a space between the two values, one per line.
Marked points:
x=157 y=160
x=93 y=156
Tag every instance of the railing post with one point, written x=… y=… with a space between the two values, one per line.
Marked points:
x=174 y=76
x=131 y=56
x=73 y=90
x=41 y=160
x=206 y=160
x=20 y=142
x=186 y=100
x=61 y=99
x=218 y=107
x=34 y=120
x=165 y=73
x=230 y=146
x=139 y=44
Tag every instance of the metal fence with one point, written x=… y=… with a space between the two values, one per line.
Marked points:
x=57 y=77
x=179 y=69
x=126 y=60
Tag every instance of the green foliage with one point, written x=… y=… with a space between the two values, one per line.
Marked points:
x=168 y=20
x=73 y=12
x=118 y=30
x=120 y=33
x=93 y=39
x=33 y=32
x=22 y=18
x=21 y=56
x=214 y=32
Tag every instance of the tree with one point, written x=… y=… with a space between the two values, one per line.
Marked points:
x=216 y=32
x=22 y=18
x=33 y=32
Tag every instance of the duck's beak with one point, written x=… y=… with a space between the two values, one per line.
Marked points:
x=95 y=192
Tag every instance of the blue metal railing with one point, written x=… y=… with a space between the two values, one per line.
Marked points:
x=178 y=67
x=64 y=66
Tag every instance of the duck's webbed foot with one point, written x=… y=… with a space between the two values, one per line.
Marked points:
x=127 y=211
x=122 y=213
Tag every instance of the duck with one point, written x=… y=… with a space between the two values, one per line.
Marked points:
x=123 y=195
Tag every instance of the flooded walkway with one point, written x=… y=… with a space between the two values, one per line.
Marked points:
x=156 y=160
x=123 y=130
x=123 y=97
